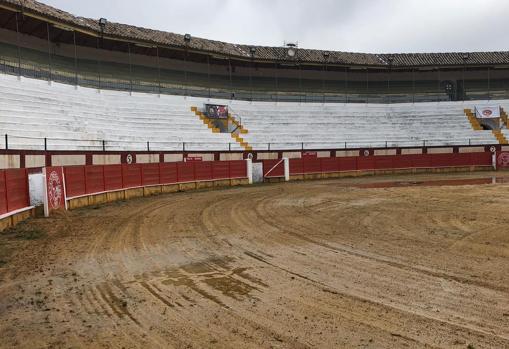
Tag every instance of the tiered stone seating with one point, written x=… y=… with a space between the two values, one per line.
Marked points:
x=81 y=118
x=288 y=125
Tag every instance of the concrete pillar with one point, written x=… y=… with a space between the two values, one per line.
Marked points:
x=249 y=164
x=286 y=163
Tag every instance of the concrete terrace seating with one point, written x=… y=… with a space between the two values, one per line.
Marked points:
x=293 y=125
x=81 y=118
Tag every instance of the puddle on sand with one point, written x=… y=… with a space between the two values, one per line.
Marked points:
x=214 y=275
x=432 y=183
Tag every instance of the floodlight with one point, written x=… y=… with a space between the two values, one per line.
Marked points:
x=102 y=22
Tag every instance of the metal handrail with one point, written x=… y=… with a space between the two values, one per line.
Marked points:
x=102 y=144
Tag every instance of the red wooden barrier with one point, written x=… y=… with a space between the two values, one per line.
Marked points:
x=82 y=180
x=3 y=193
x=150 y=174
x=203 y=170
x=384 y=162
x=112 y=177
x=346 y=164
x=94 y=179
x=220 y=169
x=185 y=171
x=168 y=173
x=14 y=193
x=273 y=168
x=75 y=181
x=131 y=175
x=238 y=169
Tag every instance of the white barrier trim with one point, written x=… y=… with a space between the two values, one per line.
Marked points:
x=249 y=164
x=19 y=210
x=149 y=186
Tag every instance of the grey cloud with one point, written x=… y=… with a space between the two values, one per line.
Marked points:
x=344 y=25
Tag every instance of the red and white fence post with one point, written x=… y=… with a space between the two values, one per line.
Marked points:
x=54 y=189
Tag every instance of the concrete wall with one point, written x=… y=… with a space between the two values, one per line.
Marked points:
x=111 y=159
x=346 y=153
x=147 y=158
x=9 y=161
x=440 y=150
x=68 y=160
x=32 y=161
x=173 y=157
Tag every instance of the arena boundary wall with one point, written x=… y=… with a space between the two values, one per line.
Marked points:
x=311 y=167
x=86 y=185
x=97 y=184
x=14 y=197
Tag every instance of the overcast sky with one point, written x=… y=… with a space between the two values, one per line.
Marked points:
x=344 y=25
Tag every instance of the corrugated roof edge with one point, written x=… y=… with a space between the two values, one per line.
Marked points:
x=132 y=33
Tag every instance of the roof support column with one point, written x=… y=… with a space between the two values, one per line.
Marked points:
x=75 y=58
x=301 y=92
x=277 y=84
x=130 y=68
x=232 y=93
x=489 y=83
x=158 y=70
x=208 y=74
x=346 y=84
x=413 y=85
x=185 y=72
x=324 y=71
x=17 y=45
x=99 y=46
x=367 y=85
x=49 y=52
x=439 y=84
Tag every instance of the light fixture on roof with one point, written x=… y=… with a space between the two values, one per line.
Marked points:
x=292 y=48
x=326 y=55
x=102 y=23
x=466 y=56
x=252 y=50
x=187 y=38
x=390 y=59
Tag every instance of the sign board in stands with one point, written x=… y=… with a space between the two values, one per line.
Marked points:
x=309 y=154
x=487 y=112
x=215 y=111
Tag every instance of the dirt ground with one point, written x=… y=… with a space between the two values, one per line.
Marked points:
x=314 y=264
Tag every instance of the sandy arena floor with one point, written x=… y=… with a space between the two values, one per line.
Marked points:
x=301 y=265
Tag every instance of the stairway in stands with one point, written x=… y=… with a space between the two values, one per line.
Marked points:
x=497 y=133
x=236 y=131
x=473 y=120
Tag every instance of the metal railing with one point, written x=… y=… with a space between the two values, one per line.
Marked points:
x=15 y=142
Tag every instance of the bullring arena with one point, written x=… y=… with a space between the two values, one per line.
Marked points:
x=160 y=190
x=307 y=264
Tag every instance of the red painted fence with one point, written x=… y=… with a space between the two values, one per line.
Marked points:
x=307 y=165
x=388 y=162
x=14 y=193
x=83 y=180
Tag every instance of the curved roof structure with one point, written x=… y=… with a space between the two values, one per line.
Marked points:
x=124 y=32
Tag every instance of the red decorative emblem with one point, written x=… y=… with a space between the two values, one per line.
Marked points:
x=503 y=160
x=54 y=190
